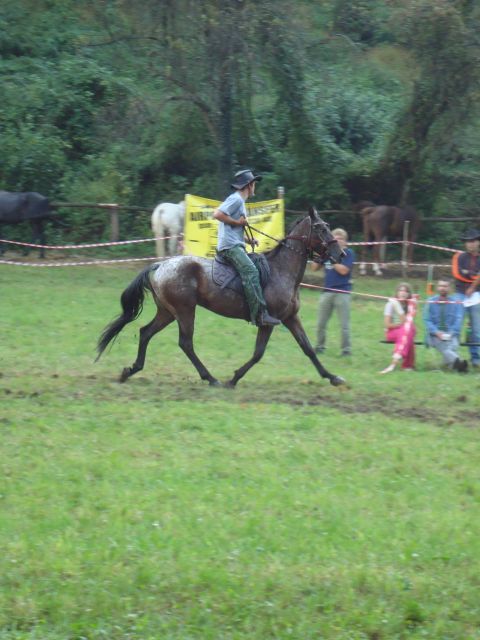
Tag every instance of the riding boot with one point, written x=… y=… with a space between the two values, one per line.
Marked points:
x=264 y=319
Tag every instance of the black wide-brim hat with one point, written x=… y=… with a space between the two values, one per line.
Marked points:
x=471 y=234
x=244 y=177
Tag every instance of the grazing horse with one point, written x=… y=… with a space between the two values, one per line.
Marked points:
x=29 y=207
x=181 y=283
x=167 y=220
x=383 y=222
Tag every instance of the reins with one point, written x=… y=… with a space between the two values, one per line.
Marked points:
x=249 y=234
x=305 y=239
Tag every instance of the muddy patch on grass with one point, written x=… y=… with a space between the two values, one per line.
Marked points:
x=308 y=396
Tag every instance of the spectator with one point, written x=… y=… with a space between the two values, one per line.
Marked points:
x=465 y=269
x=338 y=285
x=399 y=317
x=443 y=316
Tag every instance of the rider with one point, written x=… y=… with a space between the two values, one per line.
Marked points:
x=232 y=215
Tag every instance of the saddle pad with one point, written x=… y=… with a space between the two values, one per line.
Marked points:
x=225 y=275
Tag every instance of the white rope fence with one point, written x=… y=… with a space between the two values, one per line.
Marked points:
x=80 y=247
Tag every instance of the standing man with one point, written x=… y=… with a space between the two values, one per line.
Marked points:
x=338 y=285
x=232 y=215
x=443 y=315
x=465 y=270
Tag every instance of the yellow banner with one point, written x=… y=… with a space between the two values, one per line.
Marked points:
x=200 y=232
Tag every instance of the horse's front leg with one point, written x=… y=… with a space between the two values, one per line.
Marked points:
x=295 y=327
x=366 y=250
x=377 y=256
x=38 y=237
x=263 y=336
x=41 y=237
x=364 y=259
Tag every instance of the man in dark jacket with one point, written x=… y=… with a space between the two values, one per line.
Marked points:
x=465 y=270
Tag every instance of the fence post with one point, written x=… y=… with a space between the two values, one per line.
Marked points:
x=280 y=193
x=429 y=288
x=405 y=243
x=114 y=222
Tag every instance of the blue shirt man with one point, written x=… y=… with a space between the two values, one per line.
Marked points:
x=342 y=280
x=466 y=271
x=338 y=285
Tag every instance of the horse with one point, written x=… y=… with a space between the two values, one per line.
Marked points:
x=180 y=283
x=28 y=206
x=382 y=222
x=167 y=220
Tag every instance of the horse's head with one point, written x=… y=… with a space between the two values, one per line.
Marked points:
x=322 y=241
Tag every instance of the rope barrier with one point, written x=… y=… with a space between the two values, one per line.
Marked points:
x=142 y=240
x=375 y=296
x=87 y=246
x=371 y=243
x=125 y=242
x=75 y=264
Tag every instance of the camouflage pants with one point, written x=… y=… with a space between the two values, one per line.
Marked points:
x=238 y=257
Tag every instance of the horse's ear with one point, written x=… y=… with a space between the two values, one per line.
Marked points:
x=312 y=212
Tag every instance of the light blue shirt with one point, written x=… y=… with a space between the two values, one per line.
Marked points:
x=228 y=236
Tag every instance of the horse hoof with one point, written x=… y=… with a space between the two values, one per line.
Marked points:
x=215 y=383
x=230 y=384
x=126 y=373
x=337 y=381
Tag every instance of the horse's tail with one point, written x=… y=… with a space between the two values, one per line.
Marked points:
x=132 y=304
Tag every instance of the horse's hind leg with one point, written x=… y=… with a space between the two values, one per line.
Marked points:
x=161 y=320
x=159 y=232
x=186 y=322
x=263 y=336
x=172 y=244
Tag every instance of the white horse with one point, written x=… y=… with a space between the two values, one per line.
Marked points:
x=167 y=222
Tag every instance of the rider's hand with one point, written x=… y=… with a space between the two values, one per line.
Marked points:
x=253 y=241
x=242 y=222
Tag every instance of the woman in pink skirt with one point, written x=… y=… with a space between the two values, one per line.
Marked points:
x=399 y=321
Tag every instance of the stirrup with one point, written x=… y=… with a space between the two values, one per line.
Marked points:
x=266 y=320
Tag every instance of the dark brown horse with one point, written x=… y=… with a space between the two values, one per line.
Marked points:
x=383 y=222
x=180 y=283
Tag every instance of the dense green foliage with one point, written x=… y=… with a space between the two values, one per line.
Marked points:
x=338 y=101
x=163 y=508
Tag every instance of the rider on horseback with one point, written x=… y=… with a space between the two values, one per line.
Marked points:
x=232 y=215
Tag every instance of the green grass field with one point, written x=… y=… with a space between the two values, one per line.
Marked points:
x=286 y=508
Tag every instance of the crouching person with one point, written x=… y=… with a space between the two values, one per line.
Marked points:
x=443 y=317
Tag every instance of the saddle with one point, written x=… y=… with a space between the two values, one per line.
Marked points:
x=226 y=276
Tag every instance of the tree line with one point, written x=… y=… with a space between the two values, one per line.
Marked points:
x=338 y=101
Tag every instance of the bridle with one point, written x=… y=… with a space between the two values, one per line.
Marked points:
x=319 y=254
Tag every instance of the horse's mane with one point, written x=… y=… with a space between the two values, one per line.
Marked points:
x=273 y=252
